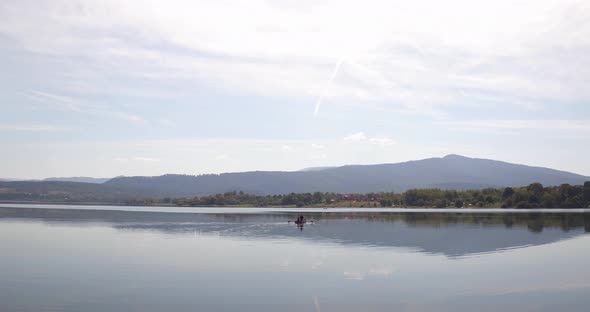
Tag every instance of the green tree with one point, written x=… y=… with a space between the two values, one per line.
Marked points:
x=508 y=192
x=318 y=198
x=520 y=195
x=441 y=203
x=410 y=197
x=385 y=202
x=535 y=189
x=549 y=200
x=586 y=192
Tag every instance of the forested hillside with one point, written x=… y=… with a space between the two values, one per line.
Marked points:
x=428 y=178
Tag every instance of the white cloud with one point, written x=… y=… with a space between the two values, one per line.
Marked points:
x=382 y=141
x=320 y=156
x=362 y=137
x=222 y=157
x=417 y=56
x=128 y=117
x=79 y=105
x=422 y=57
x=569 y=126
x=56 y=101
x=166 y=123
x=318 y=146
x=32 y=127
x=146 y=159
x=357 y=137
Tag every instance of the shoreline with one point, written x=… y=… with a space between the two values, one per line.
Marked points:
x=234 y=209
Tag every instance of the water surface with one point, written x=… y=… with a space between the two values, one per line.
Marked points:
x=55 y=258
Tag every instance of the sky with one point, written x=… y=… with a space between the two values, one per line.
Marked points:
x=109 y=88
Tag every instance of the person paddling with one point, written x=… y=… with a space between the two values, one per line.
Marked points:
x=300 y=220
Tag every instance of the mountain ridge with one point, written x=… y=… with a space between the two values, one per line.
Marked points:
x=448 y=172
x=78 y=179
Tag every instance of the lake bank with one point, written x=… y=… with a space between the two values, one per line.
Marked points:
x=228 y=209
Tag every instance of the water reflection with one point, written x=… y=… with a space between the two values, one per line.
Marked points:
x=91 y=260
x=450 y=234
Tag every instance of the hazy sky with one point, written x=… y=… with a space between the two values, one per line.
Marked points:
x=107 y=88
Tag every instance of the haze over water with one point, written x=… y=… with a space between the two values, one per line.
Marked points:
x=72 y=259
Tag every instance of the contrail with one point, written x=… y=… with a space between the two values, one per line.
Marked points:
x=318 y=102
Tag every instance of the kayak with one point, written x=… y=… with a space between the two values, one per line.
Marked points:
x=302 y=222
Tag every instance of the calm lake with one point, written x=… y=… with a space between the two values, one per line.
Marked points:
x=81 y=258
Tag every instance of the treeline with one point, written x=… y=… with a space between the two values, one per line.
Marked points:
x=532 y=196
x=293 y=199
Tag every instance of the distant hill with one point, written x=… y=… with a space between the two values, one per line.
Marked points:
x=60 y=191
x=449 y=172
x=316 y=168
x=80 y=179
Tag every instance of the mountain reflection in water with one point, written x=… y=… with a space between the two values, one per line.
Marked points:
x=450 y=234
